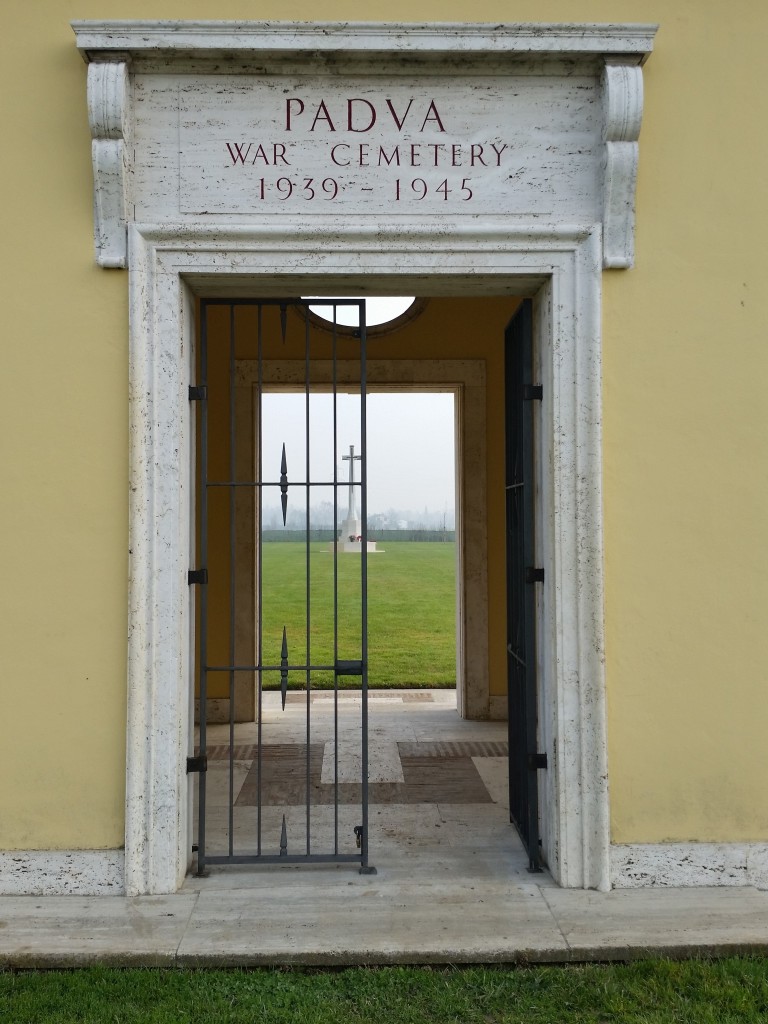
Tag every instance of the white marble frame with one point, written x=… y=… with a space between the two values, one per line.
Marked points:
x=169 y=264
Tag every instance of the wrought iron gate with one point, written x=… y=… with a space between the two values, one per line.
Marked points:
x=522 y=576
x=291 y=784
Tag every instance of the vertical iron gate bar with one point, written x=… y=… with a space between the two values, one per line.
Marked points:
x=364 y=574
x=335 y=590
x=203 y=592
x=259 y=570
x=308 y=571
x=256 y=488
x=232 y=571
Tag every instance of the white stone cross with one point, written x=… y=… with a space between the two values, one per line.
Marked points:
x=351 y=459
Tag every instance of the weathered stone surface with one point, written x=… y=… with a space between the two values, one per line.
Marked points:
x=72 y=931
x=679 y=922
x=305 y=123
x=53 y=872
x=696 y=864
x=331 y=916
x=370 y=920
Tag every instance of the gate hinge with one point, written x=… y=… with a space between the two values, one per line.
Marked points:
x=536 y=761
x=198 y=392
x=534 y=575
x=349 y=668
x=533 y=393
x=197 y=576
x=197 y=764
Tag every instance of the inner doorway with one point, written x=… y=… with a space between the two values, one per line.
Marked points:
x=411 y=524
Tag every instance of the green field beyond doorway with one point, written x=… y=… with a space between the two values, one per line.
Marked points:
x=411 y=612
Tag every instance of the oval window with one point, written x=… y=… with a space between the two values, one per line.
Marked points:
x=383 y=313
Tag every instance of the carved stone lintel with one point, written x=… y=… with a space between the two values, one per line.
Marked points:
x=206 y=48
x=108 y=114
x=622 y=114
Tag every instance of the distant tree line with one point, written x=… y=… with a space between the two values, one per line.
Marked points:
x=320 y=535
x=321 y=516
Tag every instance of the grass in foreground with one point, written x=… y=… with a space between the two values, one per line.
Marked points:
x=411 y=611
x=647 y=992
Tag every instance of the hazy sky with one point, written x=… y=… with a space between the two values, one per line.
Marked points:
x=410 y=445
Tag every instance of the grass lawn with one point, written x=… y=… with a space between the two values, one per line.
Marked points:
x=647 y=992
x=411 y=611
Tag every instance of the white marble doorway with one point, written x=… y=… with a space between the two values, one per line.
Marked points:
x=562 y=271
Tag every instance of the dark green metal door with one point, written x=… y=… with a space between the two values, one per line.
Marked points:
x=522 y=578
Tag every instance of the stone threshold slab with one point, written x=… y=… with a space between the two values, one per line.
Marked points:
x=372 y=920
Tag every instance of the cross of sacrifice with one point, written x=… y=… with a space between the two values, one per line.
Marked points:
x=351 y=459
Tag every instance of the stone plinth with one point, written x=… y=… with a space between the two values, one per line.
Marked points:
x=351 y=528
x=347 y=546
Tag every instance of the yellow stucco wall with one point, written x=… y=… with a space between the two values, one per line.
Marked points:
x=685 y=432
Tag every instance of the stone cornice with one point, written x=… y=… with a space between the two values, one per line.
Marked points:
x=233 y=40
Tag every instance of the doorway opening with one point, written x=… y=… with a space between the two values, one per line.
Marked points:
x=428 y=763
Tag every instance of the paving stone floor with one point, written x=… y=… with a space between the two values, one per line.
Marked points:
x=438 y=784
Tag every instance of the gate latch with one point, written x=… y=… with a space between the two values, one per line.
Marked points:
x=349 y=668
x=197 y=764
x=358 y=836
x=536 y=761
x=533 y=575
